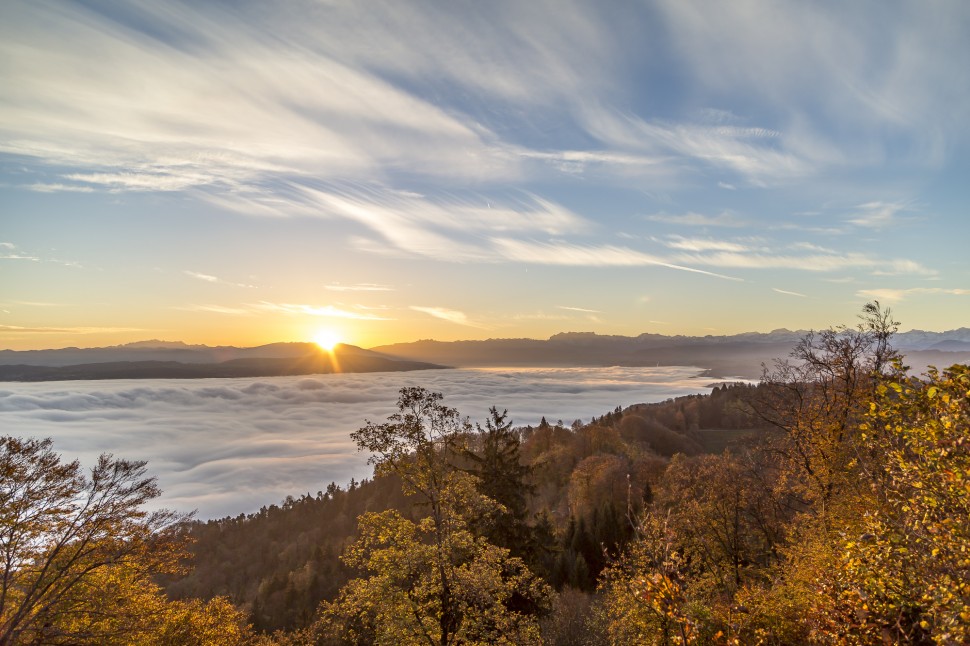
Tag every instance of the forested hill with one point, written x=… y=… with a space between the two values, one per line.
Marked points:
x=193 y=362
x=282 y=561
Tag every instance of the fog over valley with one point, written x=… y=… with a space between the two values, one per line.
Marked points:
x=230 y=446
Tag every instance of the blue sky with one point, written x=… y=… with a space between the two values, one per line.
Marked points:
x=248 y=172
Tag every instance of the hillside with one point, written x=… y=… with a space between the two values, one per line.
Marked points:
x=188 y=362
x=282 y=561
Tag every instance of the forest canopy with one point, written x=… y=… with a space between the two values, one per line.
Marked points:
x=827 y=504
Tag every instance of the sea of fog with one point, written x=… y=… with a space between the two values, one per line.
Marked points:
x=230 y=446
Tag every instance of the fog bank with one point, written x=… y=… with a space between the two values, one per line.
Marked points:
x=230 y=446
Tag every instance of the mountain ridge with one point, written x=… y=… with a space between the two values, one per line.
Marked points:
x=740 y=355
x=298 y=359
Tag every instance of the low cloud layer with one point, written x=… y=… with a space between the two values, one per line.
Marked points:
x=228 y=446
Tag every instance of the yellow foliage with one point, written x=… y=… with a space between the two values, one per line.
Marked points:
x=902 y=572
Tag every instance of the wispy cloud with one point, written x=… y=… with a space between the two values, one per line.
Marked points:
x=360 y=287
x=415 y=225
x=810 y=246
x=823 y=261
x=902 y=267
x=374 y=206
x=453 y=229
x=18 y=256
x=208 y=278
x=241 y=104
x=877 y=215
x=699 y=244
x=17 y=329
x=452 y=316
x=358 y=312
x=760 y=253
x=564 y=253
x=150 y=180
x=165 y=140
x=777 y=59
x=578 y=309
x=314 y=310
x=34 y=304
x=725 y=219
x=657 y=169
x=754 y=153
x=217 y=309
x=10 y=251
x=428 y=147
x=56 y=187
x=789 y=293
x=809 y=228
x=538 y=316
x=896 y=295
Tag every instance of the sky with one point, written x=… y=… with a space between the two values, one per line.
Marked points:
x=242 y=172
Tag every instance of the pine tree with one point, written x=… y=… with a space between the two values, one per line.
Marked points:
x=503 y=478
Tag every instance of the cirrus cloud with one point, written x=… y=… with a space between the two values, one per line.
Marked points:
x=896 y=295
x=445 y=314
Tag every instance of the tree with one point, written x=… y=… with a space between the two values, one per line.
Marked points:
x=497 y=465
x=846 y=527
x=418 y=444
x=712 y=504
x=122 y=608
x=645 y=594
x=432 y=582
x=426 y=584
x=819 y=398
x=77 y=554
x=902 y=571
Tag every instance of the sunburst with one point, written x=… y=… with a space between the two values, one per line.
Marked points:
x=327 y=339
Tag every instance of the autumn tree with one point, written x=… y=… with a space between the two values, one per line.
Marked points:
x=723 y=518
x=433 y=581
x=645 y=592
x=902 y=572
x=78 y=553
x=819 y=397
x=849 y=526
x=122 y=608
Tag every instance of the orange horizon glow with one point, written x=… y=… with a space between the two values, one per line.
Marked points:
x=327 y=339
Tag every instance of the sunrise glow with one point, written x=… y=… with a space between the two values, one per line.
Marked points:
x=327 y=339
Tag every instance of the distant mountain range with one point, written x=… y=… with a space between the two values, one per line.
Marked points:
x=168 y=360
x=157 y=351
x=739 y=355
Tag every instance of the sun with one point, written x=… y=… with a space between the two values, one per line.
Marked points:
x=326 y=339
